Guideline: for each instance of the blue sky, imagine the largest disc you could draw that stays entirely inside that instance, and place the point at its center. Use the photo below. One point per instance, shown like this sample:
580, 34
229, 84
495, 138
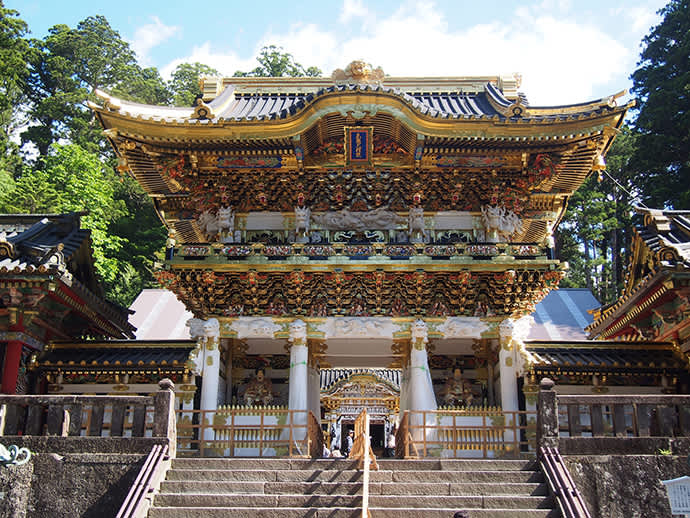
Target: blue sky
566, 51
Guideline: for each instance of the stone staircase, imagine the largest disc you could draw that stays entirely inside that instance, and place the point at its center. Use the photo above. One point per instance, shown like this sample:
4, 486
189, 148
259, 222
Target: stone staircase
300, 488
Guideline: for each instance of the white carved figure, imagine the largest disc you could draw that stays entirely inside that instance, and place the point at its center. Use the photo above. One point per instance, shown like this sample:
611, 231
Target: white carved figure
499, 223
379, 219
463, 327
360, 327
226, 219
208, 223
302, 220
262, 327
212, 328
298, 332
419, 332
196, 327
415, 223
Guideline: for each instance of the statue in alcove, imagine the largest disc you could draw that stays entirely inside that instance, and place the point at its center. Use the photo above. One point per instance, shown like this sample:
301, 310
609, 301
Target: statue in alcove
259, 391
457, 392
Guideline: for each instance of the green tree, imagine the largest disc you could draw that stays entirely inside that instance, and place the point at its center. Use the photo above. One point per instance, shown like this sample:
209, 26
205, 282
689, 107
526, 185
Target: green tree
184, 82
662, 84
14, 52
144, 85
66, 67
595, 234
275, 62
72, 179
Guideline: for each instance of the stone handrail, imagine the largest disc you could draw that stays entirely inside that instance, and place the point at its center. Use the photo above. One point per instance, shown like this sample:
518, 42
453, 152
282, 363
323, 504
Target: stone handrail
63, 415
561, 484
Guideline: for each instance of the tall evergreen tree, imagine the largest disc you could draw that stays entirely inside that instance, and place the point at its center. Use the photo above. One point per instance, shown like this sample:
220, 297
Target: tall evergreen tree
14, 52
662, 84
184, 83
275, 62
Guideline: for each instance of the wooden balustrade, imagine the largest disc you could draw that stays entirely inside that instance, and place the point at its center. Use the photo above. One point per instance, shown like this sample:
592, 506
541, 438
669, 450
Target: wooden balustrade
255, 432
455, 432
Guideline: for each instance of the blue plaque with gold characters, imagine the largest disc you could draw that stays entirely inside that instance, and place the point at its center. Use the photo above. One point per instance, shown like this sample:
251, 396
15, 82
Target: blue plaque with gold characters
358, 145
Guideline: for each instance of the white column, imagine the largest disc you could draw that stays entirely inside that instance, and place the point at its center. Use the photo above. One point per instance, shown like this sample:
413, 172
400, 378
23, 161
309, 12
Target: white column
512, 334
299, 376
298, 384
209, 357
420, 390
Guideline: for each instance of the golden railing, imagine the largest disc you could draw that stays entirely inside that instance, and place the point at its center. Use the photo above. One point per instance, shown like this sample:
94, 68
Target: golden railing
274, 432
455, 432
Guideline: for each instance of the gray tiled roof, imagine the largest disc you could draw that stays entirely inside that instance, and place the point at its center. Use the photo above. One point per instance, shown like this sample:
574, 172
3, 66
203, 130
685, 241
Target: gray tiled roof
34, 236
666, 228
252, 106
117, 354
605, 355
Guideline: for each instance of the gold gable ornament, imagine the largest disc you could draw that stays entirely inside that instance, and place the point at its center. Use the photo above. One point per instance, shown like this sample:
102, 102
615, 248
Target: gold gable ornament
359, 73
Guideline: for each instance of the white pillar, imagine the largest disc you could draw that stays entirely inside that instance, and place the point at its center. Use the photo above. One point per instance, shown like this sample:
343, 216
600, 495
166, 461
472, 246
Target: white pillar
512, 334
298, 384
299, 377
420, 390
209, 358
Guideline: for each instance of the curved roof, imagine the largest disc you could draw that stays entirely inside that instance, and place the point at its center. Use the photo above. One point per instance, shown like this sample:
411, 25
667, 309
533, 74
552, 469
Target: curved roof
234, 106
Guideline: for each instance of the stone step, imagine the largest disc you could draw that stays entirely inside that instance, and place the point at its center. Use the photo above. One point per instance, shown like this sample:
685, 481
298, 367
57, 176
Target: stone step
262, 463
345, 464
354, 488
412, 502
353, 475
339, 512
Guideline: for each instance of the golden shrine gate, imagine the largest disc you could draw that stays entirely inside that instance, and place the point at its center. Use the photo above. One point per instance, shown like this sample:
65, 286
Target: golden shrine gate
360, 221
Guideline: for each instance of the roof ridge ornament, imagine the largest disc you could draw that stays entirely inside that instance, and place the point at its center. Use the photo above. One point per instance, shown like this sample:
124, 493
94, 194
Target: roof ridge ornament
202, 110
358, 72
6, 247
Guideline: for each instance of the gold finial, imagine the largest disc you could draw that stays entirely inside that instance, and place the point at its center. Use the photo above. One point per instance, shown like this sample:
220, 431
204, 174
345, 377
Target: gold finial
358, 72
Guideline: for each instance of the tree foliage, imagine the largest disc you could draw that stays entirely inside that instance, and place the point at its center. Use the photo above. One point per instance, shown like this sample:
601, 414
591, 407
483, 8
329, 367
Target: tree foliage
275, 62
595, 234
662, 84
14, 52
67, 164
184, 83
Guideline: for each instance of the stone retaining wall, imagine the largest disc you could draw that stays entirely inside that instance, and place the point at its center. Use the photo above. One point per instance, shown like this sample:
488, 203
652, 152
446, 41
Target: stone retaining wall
71, 477
626, 486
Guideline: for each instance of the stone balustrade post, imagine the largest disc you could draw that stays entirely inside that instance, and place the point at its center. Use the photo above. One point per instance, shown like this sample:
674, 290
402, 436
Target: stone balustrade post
547, 415
164, 421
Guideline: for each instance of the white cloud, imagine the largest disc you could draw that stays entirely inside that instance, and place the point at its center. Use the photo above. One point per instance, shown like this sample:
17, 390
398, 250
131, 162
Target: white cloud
352, 9
561, 60
151, 35
226, 63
